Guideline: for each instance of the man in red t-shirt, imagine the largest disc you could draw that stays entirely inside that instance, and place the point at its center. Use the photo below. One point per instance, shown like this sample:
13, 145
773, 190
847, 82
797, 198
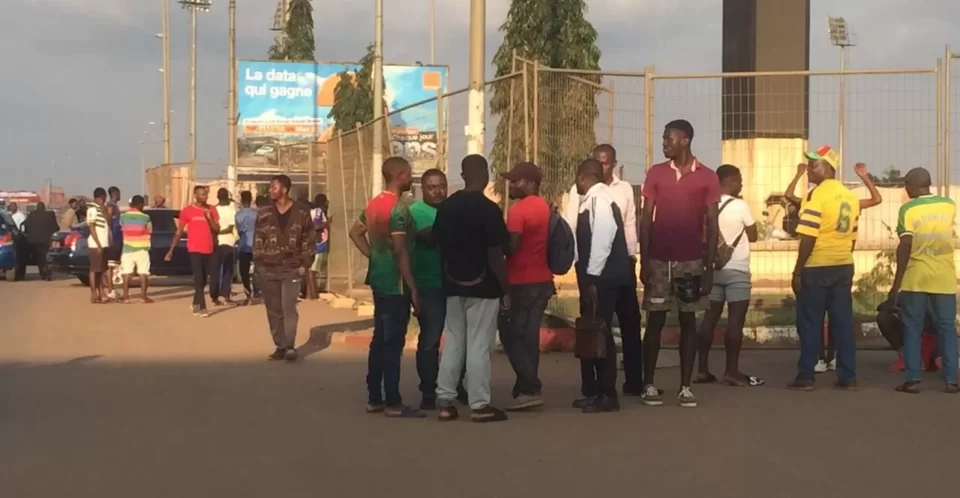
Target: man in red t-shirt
200, 221
531, 282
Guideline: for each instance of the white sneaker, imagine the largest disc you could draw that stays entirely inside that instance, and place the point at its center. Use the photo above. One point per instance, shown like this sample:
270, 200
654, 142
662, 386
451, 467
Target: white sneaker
832, 366
651, 396
686, 398
821, 367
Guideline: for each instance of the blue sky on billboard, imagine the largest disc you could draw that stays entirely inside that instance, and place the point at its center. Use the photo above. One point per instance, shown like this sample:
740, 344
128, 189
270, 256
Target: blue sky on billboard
84, 128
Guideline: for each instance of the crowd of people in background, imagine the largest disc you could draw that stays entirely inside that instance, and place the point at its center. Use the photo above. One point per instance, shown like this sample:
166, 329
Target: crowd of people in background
467, 272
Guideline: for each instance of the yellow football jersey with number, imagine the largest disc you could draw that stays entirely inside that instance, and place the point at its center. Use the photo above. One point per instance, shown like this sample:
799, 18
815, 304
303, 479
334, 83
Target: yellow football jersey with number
830, 215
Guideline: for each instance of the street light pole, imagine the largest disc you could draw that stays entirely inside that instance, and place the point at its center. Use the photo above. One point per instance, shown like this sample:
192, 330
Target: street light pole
194, 6
378, 124
232, 103
165, 35
475, 116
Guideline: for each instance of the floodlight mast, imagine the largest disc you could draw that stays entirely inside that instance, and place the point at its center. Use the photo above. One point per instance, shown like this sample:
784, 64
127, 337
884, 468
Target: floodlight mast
193, 6
840, 36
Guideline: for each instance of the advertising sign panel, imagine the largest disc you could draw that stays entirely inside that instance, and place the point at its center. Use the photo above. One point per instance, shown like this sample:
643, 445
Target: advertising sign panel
289, 102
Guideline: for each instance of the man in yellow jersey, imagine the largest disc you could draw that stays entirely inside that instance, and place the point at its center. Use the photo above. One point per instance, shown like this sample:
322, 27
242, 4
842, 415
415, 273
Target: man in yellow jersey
926, 278
823, 276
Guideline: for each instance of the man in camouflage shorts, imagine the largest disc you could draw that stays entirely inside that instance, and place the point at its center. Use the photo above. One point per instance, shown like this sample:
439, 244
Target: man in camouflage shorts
683, 193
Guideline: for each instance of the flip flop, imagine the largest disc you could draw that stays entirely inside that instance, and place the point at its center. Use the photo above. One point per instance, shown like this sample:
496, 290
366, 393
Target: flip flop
751, 381
405, 412
705, 379
375, 408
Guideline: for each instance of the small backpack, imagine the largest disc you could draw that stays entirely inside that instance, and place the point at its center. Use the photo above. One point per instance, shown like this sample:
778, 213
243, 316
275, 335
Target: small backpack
561, 246
724, 250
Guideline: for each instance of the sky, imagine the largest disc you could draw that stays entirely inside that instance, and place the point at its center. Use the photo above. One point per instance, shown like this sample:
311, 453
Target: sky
83, 83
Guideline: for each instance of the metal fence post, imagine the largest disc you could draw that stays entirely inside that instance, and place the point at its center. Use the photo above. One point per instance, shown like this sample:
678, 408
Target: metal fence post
947, 105
310, 170
648, 114
526, 114
346, 222
536, 112
940, 174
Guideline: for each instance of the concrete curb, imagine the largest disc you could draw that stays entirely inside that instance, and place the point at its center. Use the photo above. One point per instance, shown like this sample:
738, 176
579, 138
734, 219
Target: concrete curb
561, 340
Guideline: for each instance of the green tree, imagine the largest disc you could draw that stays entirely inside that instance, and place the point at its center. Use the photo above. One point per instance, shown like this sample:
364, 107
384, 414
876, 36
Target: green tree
891, 177
296, 43
554, 33
353, 95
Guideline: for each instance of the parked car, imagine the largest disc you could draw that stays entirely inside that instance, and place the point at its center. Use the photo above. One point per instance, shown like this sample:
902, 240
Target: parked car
266, 150
68, 249
8, 252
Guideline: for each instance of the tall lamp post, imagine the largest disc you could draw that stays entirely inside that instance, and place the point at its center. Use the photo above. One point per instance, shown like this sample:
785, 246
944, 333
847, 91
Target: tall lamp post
232, 101
193, 6
840, 37
165, 38
378, 124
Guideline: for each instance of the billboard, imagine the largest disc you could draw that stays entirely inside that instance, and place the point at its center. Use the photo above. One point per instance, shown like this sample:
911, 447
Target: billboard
282, 103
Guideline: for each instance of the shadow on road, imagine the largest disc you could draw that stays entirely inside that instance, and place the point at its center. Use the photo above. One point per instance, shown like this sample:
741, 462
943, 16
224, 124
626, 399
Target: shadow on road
322, 335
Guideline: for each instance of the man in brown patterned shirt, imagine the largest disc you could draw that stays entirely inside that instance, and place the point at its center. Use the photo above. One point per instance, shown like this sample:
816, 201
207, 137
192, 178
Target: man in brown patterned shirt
284, 245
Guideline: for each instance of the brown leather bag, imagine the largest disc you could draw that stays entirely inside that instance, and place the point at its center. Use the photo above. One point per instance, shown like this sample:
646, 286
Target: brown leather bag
591, 336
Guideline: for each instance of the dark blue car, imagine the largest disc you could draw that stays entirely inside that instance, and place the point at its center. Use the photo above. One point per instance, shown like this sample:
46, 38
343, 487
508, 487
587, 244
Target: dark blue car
68, 250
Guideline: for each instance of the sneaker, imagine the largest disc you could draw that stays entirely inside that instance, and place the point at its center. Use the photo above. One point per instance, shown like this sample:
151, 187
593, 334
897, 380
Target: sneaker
428, 404
951, 389
848, 385
195, 310
821, 367
218, 302
801, 385
526, 402
291, 355
651, 396
488, 414
686, 398
277, 355
832, 366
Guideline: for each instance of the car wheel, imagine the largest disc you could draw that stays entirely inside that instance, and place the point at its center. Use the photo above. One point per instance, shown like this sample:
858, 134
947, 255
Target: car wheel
84, 279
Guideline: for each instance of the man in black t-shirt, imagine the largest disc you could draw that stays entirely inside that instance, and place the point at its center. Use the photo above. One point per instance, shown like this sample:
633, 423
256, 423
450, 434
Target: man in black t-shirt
470, 235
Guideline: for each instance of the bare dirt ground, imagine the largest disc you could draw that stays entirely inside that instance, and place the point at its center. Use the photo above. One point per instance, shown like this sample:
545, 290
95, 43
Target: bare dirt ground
148, 401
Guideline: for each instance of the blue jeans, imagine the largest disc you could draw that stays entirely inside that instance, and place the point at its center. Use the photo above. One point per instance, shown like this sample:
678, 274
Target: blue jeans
391, 314
943, 310
433, 313
826, 289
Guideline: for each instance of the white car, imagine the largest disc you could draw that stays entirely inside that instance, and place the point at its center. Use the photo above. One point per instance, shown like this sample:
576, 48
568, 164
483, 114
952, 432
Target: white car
266, 150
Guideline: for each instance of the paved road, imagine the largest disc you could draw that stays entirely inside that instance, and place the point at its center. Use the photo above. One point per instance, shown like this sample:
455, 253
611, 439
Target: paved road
138, 401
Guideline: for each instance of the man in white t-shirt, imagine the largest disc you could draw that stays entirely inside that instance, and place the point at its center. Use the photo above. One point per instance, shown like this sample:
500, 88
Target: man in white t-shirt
731, 282
221, 274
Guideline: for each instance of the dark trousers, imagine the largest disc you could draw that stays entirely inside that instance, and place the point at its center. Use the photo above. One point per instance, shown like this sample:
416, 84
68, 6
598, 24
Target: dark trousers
627, 309
40, 249
943, 311
21, 248
280, 298
200, 265
221, 273
245, 262
391, 314
826, 290
599, 377
433, 314
520, 334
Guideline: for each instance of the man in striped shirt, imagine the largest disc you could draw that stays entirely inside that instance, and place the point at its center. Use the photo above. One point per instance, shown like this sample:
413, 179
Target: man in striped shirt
136, 229
97, 241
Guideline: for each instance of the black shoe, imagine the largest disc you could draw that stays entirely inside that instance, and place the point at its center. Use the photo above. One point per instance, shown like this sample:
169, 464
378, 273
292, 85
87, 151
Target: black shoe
428, 404
603, 404
579, 403
291, 355
277, 355
847, 385
632, 391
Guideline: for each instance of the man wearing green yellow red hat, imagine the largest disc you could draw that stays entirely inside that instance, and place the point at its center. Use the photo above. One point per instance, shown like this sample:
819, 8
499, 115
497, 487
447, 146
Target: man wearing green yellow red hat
823, 276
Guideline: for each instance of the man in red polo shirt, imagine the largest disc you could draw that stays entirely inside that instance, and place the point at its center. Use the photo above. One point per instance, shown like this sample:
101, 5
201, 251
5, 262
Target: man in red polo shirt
531, 283
684, 194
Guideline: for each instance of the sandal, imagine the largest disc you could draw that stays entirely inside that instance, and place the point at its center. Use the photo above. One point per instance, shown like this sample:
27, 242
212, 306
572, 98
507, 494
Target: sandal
488, 414
375, 407
750, 382
147, 300
403, 411
909, 387
707, 378
448, 413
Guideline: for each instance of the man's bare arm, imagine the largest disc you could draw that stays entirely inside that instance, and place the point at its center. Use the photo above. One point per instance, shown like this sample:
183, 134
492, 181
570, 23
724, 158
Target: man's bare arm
513, 243
790, 193
358, 234
398, 241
